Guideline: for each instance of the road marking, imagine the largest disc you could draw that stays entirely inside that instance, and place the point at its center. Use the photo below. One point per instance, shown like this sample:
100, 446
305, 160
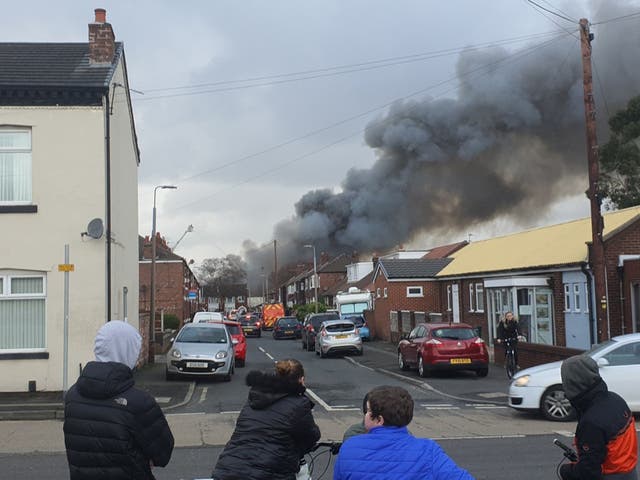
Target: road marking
234, 412
436, 404
203, 395
266, 353
490, 407
349, 359
328, 407
185, 414
187, 397
564, 433
493, 395
163, 399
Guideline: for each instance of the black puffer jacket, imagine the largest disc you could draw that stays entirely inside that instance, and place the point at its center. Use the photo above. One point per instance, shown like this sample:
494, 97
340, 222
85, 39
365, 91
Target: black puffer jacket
111, 429
274, 429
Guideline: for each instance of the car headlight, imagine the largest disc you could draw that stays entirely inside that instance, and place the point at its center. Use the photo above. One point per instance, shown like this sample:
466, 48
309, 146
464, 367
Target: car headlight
220, 355
176, 353
521, 381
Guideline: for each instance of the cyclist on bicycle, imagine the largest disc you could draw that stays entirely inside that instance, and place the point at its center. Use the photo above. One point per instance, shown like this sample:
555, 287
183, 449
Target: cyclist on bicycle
508, 332
274, 430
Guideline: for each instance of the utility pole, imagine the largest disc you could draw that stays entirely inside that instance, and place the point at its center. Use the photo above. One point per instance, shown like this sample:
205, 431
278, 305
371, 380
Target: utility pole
596, 254
276, 285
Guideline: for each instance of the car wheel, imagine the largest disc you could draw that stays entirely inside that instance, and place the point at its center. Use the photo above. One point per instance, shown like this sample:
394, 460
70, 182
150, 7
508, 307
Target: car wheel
555, 406
259, 334
482, 372
322, 354
423, 370
310, 347
169, 376
240, 363
304, 345
360, 352
401, 363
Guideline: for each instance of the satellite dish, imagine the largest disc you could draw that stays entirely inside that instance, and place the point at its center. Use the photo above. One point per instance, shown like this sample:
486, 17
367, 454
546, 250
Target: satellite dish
95, 229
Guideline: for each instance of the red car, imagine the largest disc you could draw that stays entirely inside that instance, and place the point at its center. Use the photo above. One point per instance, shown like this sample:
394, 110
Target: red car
443, 346
239, 342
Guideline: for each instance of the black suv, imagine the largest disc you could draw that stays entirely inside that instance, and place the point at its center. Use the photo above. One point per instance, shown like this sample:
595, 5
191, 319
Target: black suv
311, 326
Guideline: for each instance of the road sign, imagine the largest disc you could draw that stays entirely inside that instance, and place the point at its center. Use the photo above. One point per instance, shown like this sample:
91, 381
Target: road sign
66, 267
193, 294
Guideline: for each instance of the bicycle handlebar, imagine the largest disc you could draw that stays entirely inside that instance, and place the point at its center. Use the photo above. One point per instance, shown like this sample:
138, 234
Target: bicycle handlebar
334, 447
568, 452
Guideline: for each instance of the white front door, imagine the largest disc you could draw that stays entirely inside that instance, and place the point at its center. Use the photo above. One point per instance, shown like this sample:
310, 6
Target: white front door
456, 303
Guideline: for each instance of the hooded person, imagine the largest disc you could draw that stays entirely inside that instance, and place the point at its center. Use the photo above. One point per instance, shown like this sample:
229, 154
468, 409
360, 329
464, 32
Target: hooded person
605, 437
112, 430
274, 430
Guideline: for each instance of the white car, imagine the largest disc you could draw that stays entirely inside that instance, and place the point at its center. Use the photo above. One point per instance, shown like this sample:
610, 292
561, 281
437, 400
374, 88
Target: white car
540, 388
211, 317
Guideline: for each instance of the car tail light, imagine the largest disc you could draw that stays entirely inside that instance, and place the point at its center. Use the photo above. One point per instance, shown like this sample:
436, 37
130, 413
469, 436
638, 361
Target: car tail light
433, 341
257, 324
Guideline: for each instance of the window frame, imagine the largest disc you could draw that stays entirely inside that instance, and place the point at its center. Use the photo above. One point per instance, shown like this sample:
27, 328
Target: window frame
567, 297
415, 295
479, 288
18, 129
6, 295
378, 292
577, 294
449, 298
385, 292
471, 298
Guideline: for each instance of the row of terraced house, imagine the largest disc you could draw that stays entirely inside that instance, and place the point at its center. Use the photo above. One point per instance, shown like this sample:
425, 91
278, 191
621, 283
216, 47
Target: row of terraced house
542, 275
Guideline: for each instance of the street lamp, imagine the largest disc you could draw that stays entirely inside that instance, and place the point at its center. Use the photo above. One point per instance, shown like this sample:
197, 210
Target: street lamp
152, 319
315, 274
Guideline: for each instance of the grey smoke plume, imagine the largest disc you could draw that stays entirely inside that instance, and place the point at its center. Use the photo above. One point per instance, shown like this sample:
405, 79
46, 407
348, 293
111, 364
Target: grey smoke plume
509, 145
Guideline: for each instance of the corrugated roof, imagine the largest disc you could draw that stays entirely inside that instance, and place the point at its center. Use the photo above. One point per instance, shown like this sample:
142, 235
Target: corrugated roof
53, 65
560, 244
412, 267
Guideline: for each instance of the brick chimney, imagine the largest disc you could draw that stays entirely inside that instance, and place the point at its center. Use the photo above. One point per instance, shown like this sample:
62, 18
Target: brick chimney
102, 46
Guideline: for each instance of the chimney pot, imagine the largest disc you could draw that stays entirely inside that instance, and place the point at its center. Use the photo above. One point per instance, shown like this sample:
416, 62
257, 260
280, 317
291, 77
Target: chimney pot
101, 15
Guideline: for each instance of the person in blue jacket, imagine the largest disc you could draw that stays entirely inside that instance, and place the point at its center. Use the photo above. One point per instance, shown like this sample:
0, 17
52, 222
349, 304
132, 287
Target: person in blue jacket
389, 451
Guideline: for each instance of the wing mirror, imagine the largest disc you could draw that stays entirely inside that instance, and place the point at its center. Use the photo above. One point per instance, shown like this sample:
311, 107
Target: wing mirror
602, 362
234, 341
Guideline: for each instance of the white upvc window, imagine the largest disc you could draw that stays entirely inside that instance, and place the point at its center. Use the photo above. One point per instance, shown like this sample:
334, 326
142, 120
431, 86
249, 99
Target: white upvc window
586, 298
385, 292
479, 297
567, 297
15, 166
377, 292
414, 292
449, 301
577, 304
471, 295
22, 312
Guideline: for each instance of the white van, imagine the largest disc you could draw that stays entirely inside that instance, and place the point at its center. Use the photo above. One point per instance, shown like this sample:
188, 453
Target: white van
208, 317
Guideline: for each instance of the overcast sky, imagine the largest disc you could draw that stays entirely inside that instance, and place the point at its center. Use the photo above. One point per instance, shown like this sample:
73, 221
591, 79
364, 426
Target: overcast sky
243, 155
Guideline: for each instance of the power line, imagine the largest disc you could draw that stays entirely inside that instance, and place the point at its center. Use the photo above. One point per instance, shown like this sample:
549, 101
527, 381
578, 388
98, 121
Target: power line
564, 17
328, 71
617, 19
483, 70
531, 4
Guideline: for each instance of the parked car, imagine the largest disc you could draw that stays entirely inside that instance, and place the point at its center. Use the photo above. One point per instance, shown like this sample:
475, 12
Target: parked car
311, 326
251, 325
287, 327
239, 342
208, 317
203, 349
540, 388
338, 336
443, 346
361, 325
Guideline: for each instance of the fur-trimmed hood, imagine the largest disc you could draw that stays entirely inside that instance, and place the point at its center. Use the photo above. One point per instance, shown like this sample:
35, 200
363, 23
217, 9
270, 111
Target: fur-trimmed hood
268, 388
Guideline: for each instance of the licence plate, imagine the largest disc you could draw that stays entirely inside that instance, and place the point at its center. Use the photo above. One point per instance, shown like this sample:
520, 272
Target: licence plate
342, 336
197, 365
288, 332
460, 360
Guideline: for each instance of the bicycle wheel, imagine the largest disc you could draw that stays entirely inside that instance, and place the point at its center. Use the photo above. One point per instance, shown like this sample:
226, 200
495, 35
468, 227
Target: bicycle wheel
510, 364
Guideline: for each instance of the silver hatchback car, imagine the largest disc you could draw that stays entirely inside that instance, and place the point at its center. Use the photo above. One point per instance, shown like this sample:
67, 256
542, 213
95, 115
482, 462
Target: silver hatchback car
202, 349
338, 336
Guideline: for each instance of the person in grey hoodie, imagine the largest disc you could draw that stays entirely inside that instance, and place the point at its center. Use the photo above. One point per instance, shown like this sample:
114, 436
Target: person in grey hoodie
605, 437
112, 430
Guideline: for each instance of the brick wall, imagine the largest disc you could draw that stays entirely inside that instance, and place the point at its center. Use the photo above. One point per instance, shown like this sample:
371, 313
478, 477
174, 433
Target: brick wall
627, 242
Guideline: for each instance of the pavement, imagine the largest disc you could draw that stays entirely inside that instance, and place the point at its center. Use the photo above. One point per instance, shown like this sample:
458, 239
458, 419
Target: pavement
171, 395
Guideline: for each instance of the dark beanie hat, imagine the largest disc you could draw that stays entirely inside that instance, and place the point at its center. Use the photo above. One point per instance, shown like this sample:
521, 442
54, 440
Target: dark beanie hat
579, 374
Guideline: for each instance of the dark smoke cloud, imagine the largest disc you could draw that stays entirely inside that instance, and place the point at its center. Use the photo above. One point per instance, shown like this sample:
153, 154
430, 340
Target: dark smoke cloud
508, 146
